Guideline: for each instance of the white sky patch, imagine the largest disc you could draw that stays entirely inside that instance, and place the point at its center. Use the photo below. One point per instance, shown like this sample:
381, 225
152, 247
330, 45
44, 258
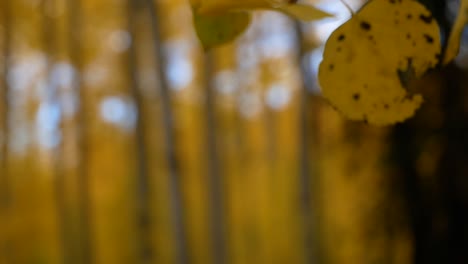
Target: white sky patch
119, 111
276, 39
276, 45
247, 55
179, 68
29, 81
19, 138
62, 75
226, 82
95, 74
179, 72
69, 103
278, 96
250, 104
313, 59
24, 72
48, 118
42, 89
323, 28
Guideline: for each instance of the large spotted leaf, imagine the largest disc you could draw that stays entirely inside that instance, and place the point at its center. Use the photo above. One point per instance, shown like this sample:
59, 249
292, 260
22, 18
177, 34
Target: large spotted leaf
369, 58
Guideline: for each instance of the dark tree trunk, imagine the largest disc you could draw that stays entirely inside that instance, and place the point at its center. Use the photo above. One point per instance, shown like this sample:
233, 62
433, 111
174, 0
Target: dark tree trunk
436, 200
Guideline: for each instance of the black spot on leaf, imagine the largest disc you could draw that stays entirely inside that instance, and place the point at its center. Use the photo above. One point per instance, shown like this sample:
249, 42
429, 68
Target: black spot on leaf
426, 19
356, 96
365, 26
331, 67
386, 106
429, 39
365, 119
341, 37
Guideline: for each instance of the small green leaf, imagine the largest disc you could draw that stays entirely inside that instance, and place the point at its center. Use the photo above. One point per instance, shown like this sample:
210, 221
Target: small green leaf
220, 29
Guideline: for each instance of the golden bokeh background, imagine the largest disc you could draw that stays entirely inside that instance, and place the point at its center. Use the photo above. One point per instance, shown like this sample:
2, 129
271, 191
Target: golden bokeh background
123, 142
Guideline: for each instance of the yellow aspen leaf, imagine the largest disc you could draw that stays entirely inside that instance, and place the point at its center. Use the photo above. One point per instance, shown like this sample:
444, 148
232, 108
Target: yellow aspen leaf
365, 58
221, 21
303, 12
210, 7
453, 45
220, 29
298, 11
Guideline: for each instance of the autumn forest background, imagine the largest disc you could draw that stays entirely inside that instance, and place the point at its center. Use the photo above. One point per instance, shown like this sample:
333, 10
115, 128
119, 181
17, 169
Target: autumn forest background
122, 141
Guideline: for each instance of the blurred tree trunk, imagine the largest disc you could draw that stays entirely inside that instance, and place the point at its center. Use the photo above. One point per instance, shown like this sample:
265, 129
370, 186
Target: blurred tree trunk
168, 123
51, 49
143, 191
431, 154
305, 196
215, 181
85, 246
5, 203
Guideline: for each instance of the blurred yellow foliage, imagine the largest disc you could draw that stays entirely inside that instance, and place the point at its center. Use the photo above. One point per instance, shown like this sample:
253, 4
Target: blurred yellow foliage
87, 150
